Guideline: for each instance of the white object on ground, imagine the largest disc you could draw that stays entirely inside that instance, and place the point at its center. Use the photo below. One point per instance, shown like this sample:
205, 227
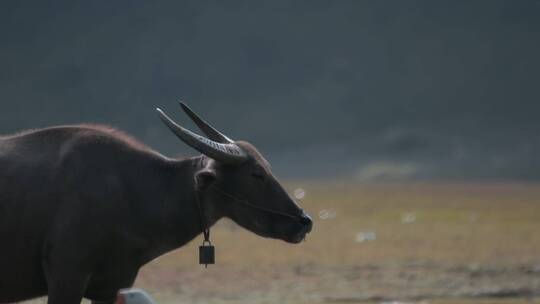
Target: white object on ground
408, 217
363, 236
134, 296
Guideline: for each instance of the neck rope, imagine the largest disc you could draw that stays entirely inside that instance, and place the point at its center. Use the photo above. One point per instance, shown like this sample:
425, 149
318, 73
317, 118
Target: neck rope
206, 229
254, 206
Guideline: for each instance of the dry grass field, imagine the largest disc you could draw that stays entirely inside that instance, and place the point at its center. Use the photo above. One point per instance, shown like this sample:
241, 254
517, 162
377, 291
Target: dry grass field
374, 243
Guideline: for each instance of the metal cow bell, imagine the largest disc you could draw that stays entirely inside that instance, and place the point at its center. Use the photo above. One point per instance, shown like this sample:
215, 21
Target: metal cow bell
206, 254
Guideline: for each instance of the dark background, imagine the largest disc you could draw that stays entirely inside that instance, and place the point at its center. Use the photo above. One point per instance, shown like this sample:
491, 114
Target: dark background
370, 90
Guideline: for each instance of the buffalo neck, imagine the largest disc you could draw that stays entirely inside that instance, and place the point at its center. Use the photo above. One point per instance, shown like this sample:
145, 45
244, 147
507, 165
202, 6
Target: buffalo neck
173, 218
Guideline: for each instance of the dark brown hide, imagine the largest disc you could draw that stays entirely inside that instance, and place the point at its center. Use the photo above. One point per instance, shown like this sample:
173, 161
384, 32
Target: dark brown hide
82, 208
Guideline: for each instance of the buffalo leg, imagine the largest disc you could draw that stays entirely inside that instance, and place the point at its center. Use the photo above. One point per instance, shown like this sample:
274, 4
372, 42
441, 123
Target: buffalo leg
70, 252
103, 286
66, 273
67, 289
66, 280
67, 266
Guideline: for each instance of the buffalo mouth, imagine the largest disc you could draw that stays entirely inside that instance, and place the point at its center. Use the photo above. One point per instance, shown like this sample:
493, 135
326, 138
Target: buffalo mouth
296, 239
300, 236
292, 232
306, 225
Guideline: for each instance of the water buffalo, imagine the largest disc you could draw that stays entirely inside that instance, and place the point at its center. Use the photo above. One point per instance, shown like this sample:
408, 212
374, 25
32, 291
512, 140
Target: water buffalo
83, 207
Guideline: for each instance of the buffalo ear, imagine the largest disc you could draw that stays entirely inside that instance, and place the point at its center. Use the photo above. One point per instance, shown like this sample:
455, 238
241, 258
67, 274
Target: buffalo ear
204, 178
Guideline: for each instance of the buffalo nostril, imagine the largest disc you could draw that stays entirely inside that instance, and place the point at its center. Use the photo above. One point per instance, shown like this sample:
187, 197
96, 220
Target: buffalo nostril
307, 222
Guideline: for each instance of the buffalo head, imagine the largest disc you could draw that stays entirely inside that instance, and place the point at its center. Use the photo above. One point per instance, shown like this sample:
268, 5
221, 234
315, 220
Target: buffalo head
236, 179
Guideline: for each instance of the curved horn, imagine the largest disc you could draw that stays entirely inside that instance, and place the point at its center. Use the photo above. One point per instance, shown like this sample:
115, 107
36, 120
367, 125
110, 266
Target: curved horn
207, 129
228, 153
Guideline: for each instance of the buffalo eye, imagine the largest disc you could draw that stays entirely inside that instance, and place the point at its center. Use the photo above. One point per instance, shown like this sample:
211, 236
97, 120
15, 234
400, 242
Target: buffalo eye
258, 175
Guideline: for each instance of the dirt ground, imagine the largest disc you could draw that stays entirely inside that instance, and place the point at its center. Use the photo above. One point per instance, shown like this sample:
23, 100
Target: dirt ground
388, 243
